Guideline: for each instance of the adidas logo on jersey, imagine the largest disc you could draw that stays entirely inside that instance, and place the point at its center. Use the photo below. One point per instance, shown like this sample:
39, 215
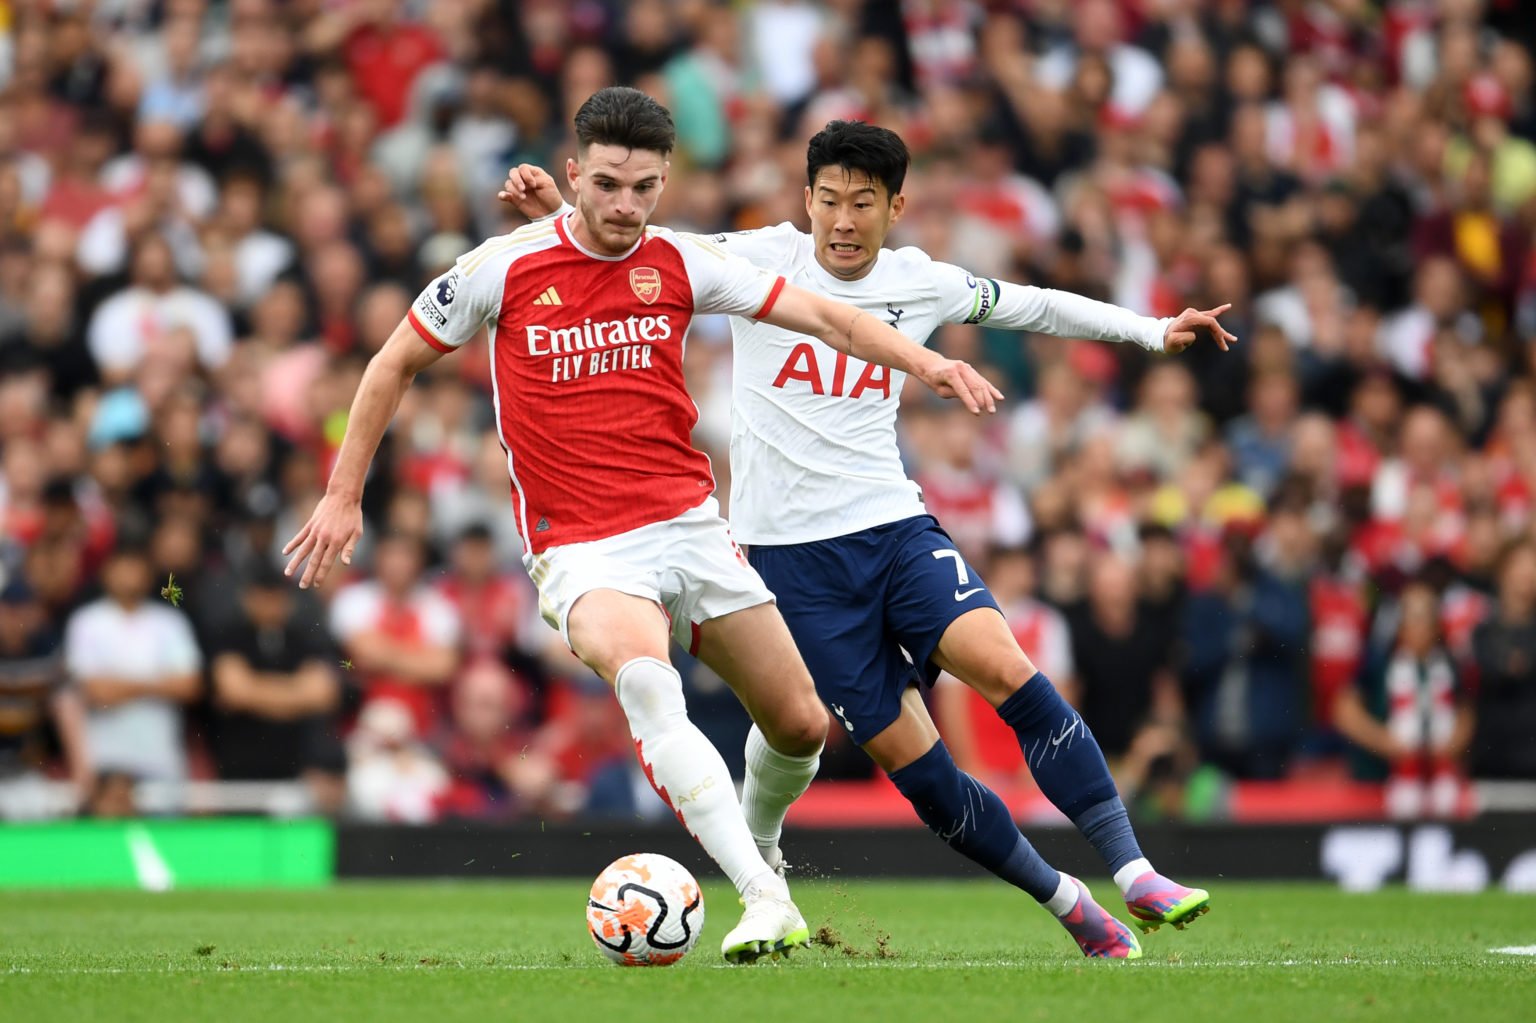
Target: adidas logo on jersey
542, 527
550, 297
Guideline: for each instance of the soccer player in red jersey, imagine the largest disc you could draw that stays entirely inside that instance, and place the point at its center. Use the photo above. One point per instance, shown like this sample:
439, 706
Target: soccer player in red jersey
588, 315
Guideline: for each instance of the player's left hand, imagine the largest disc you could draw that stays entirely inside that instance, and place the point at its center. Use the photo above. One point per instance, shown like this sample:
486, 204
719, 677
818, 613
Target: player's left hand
531, 190
331, 532
1187, 326
951, 378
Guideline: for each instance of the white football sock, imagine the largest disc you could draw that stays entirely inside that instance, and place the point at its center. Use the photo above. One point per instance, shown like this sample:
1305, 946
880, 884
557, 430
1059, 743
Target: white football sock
774, 781
1065, 898
1127, 875
685, 767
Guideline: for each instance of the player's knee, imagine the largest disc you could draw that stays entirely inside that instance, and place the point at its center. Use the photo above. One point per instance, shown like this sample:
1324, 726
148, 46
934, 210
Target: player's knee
800, 732
1002, 678
651, 693
808, 736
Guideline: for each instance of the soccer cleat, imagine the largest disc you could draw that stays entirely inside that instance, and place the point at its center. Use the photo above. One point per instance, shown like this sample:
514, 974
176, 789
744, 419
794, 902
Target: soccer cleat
1154, 900
1096, 932
771, 925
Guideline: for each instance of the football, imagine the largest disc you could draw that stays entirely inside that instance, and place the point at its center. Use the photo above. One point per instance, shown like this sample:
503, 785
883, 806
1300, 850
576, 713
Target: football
645, 910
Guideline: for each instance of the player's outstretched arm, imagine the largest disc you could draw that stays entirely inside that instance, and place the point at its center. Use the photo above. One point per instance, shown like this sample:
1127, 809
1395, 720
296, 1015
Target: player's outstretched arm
337, 522
971, 299
864, 337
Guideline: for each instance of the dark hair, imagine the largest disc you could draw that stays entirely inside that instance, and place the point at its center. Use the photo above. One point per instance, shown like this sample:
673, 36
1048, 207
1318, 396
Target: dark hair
856, 146
132, 545
261, 574
478, 532
621, 116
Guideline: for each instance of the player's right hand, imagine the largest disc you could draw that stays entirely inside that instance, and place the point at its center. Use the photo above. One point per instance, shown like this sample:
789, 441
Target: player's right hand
531, 191
334, 528
951, 378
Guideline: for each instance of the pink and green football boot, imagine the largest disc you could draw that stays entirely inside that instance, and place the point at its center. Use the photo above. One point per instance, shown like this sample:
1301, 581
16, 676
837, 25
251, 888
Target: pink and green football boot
1154, 900
1098, 934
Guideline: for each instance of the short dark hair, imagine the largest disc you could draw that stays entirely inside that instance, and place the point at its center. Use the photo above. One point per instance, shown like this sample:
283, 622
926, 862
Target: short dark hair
621, 116
869, 149
261, 574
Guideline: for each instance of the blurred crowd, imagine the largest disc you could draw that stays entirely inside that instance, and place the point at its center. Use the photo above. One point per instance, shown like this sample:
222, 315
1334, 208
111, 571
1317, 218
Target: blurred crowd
1313, 557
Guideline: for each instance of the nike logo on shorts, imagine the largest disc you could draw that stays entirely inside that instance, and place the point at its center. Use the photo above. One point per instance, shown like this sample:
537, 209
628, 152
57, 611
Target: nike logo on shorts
961, 595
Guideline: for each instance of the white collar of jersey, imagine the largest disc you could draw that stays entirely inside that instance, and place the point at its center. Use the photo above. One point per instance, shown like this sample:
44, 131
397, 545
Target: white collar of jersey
826, 279
564, 224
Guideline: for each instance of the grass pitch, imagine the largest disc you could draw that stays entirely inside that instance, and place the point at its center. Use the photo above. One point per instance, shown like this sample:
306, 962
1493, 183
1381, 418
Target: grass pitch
968, 951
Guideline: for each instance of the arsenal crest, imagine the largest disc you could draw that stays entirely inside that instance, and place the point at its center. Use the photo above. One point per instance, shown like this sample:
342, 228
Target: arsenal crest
645, 281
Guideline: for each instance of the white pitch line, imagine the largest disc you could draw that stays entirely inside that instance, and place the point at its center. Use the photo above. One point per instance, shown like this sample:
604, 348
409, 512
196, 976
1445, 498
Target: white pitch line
1515, 950
902, 964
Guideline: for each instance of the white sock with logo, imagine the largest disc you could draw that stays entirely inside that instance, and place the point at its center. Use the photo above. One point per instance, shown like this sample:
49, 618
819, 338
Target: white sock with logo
774, 781
686, 769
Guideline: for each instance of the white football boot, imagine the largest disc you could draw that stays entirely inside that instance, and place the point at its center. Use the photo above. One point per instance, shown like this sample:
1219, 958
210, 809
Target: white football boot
771, 925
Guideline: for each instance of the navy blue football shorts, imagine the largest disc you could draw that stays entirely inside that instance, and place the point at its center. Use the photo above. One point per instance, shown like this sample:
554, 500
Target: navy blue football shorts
867, 611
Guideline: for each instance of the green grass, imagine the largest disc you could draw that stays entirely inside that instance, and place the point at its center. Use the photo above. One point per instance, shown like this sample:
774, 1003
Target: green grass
971, 951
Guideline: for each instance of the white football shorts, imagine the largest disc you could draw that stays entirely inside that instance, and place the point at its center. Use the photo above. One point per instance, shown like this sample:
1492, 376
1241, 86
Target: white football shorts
689, 565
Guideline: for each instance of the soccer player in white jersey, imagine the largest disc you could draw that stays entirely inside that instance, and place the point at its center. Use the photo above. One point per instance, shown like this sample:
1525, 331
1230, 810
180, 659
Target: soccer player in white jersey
588, 316
863, 576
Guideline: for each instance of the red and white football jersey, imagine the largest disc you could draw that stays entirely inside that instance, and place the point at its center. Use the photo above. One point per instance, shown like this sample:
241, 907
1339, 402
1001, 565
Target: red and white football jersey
587, 368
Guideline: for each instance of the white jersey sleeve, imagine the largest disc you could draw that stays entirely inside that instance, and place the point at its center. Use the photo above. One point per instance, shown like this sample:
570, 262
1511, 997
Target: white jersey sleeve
765, 247
970, 299
451, 309
724, 283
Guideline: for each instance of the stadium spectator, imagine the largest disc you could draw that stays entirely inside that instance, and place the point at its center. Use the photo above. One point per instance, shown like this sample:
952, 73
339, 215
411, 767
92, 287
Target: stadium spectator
493, 605
401, 637
135, 663
1411, 710
1167, 427
488, 748
1099, 34
962, 489
35, 696
1048, 429
1504, 745
1261, 439
1340, 617
392, 775
276, 694
1245, 643
1126, 667
593, 755
143, 318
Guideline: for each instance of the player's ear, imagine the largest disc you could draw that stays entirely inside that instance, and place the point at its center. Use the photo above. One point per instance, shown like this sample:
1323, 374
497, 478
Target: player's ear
807, 200
898, 206
572, 173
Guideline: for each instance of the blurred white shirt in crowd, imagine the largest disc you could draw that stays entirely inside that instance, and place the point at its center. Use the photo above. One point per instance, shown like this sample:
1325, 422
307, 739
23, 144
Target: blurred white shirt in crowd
128, 323
1137, 75
783, 37
147, 645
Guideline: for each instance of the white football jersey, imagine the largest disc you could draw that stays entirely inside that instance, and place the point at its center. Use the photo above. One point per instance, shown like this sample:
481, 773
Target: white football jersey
813, 432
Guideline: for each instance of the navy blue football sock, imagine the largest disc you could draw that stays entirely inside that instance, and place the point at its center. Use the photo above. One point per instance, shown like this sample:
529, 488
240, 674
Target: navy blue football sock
974, 821
1069, 767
